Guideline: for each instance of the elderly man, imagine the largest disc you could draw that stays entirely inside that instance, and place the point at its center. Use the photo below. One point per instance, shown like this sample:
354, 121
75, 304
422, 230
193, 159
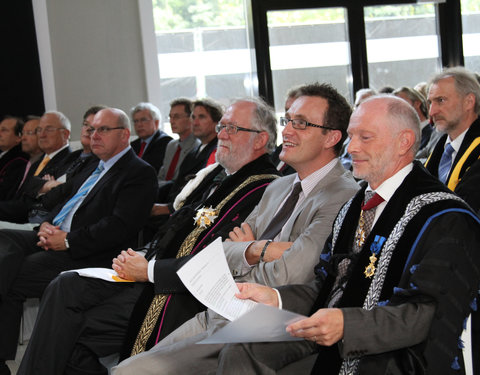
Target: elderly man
12, 159
454, 97
281, 235
53, 132
96, 326
99, 214
152, 140
398, 275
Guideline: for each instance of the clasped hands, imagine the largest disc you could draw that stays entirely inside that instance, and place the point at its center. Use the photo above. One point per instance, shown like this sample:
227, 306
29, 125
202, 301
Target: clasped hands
131, 265
51, 237
244, 233
325, 327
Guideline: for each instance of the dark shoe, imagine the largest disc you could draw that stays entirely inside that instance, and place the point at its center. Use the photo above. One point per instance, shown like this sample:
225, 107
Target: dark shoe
4, 370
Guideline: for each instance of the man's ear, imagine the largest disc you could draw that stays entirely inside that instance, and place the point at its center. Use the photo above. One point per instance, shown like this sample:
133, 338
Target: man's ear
333, 137
261, 140
406, 139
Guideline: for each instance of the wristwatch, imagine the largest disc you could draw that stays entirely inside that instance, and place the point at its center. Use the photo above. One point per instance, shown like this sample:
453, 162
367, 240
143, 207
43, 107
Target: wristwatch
66, 243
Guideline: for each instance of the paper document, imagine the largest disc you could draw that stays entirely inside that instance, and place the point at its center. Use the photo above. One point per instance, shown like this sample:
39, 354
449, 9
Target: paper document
261, 324
106, 274
209, 279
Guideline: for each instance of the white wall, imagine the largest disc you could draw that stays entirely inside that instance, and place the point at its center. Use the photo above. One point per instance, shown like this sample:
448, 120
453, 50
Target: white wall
91, 52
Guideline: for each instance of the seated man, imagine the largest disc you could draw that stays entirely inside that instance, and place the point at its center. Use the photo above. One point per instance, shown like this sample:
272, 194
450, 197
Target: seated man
96, 326
152, 141
53, 133
99, 214
12, 159
315, 127
382, 301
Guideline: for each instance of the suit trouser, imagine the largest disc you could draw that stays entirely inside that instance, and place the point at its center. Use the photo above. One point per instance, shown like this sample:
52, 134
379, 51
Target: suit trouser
80, 319
25, 272
179, 353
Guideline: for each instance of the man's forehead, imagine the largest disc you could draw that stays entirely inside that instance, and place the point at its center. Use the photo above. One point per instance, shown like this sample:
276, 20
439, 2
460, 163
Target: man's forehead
239, 112
143, 113
49, 119
8, 123
308, 106
31, 124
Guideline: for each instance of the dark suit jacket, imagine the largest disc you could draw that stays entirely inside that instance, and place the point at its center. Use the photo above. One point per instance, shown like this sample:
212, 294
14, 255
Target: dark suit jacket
113, 212
12, 169
464, 183
16, 210
155, 151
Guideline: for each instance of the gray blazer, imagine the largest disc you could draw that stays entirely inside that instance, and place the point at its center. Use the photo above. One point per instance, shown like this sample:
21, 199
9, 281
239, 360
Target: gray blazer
309, 230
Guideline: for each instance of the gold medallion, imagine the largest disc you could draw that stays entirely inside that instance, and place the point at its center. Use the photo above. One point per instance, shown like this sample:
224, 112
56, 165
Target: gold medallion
370, 269
205, 217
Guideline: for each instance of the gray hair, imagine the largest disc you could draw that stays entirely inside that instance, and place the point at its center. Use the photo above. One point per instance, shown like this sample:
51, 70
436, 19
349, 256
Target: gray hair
64, 121
414, 96
402, 115
465, 83
154, 112
264, 119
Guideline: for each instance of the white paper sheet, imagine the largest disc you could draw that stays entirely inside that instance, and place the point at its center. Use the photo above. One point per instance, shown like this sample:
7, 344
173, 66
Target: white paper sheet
261, 324
209, 279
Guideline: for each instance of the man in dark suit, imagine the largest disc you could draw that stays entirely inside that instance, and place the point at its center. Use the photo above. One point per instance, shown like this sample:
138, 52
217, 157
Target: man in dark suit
152, 140
12, 159
100, 214
397, 277
454, 98
53, 132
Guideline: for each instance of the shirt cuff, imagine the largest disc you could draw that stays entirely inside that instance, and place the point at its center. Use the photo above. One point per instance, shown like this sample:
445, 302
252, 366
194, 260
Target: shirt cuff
150, 271
280, 304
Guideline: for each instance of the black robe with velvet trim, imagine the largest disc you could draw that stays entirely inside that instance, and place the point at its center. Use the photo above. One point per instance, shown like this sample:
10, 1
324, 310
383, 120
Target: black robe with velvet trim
181, 305
436, 276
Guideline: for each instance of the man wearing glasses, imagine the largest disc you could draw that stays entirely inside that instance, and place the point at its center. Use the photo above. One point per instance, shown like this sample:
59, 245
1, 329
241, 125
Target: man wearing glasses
152, 140
100, 213
284, 233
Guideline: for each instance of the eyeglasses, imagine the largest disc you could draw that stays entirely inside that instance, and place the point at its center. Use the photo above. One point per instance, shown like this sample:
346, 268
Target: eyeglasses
142, 120
302, 124
29, 132
101, 130
48, 129
233, 129
177, 117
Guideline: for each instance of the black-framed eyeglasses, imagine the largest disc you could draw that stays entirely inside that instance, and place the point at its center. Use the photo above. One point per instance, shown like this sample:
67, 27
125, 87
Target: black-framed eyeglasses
101, 130
233, 129
302, 124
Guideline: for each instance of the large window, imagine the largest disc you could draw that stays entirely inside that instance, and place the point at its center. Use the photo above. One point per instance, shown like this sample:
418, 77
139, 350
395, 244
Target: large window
203, 50
307, 46
402, 44
471, 33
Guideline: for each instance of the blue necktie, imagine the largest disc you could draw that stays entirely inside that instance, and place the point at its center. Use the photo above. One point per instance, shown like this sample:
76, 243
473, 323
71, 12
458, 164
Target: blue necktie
82, 192
445, 163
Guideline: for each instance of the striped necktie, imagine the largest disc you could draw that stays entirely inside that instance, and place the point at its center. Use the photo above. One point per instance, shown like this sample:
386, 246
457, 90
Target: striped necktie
81, 193
445, 163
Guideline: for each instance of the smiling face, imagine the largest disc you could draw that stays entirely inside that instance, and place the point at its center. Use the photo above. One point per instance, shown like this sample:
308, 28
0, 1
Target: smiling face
310, 149
107, 145
378, 147
144, 124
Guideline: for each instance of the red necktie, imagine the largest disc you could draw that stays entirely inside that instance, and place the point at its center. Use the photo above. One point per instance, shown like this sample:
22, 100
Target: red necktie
142, 148
211, 158
173, 164
372, 202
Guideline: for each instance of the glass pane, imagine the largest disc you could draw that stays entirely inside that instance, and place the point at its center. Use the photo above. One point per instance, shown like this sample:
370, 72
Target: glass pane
471, 33
203, 50
402, 44
308, 46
